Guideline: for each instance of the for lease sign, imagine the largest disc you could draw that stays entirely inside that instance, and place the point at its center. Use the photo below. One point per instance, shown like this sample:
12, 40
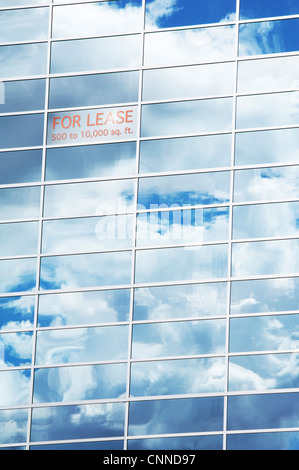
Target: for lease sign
92, 125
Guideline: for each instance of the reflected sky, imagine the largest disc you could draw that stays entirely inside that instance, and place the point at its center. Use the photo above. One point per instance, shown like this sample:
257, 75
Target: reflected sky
13, 426
30, 24
19, 239
23, 60
177, 443
24, 95
30, 130
20, 167
84, 308
18, 275
95, 445
19, 203
16, 312
180, 301
16, 349
15, 390
264, 441
267, 8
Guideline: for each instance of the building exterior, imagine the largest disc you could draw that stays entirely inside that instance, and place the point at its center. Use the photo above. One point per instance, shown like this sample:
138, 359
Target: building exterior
149, 207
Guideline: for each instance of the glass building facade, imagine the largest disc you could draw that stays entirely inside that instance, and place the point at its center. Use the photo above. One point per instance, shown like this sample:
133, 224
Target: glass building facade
149, 224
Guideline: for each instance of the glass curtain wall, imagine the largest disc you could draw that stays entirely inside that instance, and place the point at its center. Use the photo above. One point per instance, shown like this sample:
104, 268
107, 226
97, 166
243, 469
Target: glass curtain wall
149, 207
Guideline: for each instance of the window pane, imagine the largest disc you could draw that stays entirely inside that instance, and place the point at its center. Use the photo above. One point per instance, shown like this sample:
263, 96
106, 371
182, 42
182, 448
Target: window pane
91, 90
20, 167
178, 338
267, 147
19, 239
266, 372
95, 19
188, 82
65, 384
267, 184
82, 345
89, 198
16, 3
91, 161
28, 24
94, 445
87, 234
23, 60
187, 153
21, 131
91, 270
17, 275
269, 37
77, 422
177, 377
265, 295
264, 441
15, 349
96, 53
84, 308
16, 312
177, 443
15, 390
263, 411
181, 264
190, 13
264, 333
189, 46
17, 203
186, 117
195, 300
23, 95
262, 258
267, 8
13, 426
266, 220
268, 74
176, 416
183, 190
182, 227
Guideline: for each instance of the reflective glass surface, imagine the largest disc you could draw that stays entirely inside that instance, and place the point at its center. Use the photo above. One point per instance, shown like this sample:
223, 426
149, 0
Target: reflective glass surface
264, 333
17, 275
186, 117
14, 426
94, 445
266, 220
84, 308
183, 190
19, 203
21, 131
189, 46
264, 441
87, 234
179, 264
276, 183
269, 37
23, 60
19, 239
177, 443
95, 198
266, 372
268, 74
90, 90
263, 411
176, 416
15, 390
82, 345
16, 3
16, 349
177, 377
28, 24
267, 147
95, 19
24, 95
16, 312
269, 257
65, 384
91, 161
20, 167
78, 422
188, 82
187, 153
177, 227
91, 270
178, 338
96, 53
194, 300
254, 9
265, 295
277, 109
193, 12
